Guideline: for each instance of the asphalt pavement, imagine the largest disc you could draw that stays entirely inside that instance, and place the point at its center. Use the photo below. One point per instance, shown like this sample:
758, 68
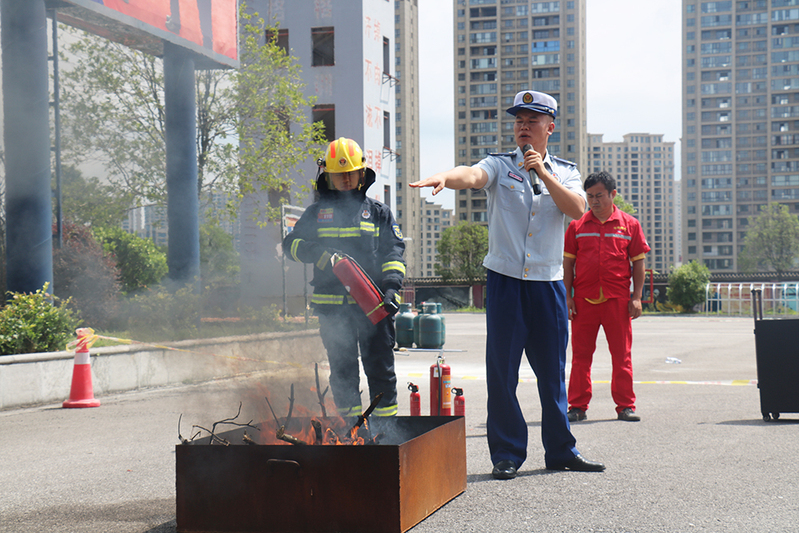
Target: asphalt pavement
701, 459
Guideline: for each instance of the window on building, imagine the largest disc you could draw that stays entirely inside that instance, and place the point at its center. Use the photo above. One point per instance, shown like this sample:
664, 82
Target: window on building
326, 114
386, 56
280, 37
322, 40
386, 129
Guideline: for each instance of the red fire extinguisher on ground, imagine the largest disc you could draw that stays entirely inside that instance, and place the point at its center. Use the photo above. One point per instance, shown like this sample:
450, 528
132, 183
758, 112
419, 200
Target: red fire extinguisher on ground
459, 401
440, 394
416, 400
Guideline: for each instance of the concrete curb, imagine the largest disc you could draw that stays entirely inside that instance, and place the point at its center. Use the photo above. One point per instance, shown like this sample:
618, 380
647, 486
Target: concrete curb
31, 379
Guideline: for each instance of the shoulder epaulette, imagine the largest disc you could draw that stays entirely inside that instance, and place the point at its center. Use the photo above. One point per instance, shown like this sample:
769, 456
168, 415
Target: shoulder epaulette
506, 154
572, 163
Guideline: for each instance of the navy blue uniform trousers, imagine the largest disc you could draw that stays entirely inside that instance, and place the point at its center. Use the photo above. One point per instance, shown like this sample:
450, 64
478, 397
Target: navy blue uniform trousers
343, 331
529, 316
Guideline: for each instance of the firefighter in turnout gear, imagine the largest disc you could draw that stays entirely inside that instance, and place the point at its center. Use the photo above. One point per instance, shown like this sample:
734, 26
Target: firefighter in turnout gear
345, 220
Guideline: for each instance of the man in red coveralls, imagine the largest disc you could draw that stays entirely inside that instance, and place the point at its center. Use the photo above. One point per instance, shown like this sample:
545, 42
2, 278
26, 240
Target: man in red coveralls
597, 253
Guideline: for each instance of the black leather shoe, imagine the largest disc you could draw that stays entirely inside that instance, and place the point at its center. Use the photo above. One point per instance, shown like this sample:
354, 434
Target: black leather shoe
576, 415
579, 464
628, 414
504, 470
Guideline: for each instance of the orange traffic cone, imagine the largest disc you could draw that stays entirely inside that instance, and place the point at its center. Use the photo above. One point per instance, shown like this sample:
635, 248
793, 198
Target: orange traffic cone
81, 394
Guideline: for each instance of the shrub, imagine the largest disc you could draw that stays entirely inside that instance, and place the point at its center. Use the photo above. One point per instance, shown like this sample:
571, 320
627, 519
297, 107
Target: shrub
158, 314
687, 285
87, 277
141, 264
30, 323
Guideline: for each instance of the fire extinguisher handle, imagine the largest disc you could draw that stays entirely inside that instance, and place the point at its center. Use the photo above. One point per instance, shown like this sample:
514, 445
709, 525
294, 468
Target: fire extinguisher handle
392, 307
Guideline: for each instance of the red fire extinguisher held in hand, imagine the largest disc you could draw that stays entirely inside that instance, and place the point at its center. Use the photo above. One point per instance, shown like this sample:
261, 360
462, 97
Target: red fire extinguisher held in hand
459, 401
416, 400
361, 287
440, 394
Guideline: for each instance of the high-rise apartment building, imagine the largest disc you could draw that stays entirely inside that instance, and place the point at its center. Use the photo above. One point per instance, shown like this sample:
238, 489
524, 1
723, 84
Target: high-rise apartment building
643, 167
740, 146
506, 46
435, 219
408, 215
148, 222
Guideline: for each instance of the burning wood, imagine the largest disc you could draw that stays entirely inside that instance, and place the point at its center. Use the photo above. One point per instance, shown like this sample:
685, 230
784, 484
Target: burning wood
372, 406
320, 395
317, 433
304, 431
212, 432
281, 434
291, 405
317, 427
332, 436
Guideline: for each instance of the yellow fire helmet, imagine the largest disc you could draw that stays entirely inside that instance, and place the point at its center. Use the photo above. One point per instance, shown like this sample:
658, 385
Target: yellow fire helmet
344, 155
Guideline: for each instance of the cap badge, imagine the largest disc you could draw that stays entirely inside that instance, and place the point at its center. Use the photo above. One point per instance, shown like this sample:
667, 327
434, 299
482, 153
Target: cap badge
527, 98
342, 162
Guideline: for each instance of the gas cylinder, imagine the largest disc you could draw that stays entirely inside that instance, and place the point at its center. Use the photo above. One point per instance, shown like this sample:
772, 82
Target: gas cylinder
404, 326
459, 401
430, 328
440, 393
416, 400
416, 329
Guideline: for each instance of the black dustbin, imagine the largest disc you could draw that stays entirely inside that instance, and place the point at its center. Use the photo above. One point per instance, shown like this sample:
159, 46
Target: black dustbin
777, 353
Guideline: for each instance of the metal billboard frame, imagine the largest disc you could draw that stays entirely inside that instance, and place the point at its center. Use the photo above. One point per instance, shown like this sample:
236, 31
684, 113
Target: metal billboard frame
97, 18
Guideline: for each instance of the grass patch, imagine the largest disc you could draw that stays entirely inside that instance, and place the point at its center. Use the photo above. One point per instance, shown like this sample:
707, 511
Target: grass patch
471, 309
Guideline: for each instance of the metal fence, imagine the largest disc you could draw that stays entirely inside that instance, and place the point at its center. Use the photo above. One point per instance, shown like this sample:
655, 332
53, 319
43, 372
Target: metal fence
736, 298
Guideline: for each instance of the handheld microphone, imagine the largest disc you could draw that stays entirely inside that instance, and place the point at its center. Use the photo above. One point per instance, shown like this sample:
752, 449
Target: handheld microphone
533, 174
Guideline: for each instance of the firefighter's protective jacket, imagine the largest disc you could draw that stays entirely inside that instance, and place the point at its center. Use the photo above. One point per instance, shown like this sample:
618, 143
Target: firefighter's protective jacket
352, 223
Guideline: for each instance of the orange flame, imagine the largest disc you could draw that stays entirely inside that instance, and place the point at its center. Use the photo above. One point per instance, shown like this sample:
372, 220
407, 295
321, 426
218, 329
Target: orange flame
334, 430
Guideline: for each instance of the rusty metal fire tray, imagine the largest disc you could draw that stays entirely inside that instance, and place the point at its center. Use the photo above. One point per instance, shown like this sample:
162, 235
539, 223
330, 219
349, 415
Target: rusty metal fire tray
418, 466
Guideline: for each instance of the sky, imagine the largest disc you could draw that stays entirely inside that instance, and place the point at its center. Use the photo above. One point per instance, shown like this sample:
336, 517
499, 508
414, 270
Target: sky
633, 76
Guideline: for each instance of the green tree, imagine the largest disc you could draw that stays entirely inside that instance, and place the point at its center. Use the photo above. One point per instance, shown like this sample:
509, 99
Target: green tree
274, 135
219, 270
687, 285
252, 129
461, 251
771, 241
624, 205
141, 264
219, 260
88, 202
87, 277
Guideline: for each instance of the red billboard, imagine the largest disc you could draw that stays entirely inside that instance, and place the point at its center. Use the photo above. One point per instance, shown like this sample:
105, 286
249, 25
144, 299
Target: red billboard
206, 27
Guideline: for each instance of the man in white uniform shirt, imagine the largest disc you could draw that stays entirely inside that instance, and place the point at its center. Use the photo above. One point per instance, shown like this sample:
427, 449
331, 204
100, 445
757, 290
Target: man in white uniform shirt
530, 194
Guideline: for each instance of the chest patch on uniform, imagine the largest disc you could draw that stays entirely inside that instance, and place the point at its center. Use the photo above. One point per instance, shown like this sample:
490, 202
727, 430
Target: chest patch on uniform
397, 232
365, 213
515, 177
325, 215
620, 228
